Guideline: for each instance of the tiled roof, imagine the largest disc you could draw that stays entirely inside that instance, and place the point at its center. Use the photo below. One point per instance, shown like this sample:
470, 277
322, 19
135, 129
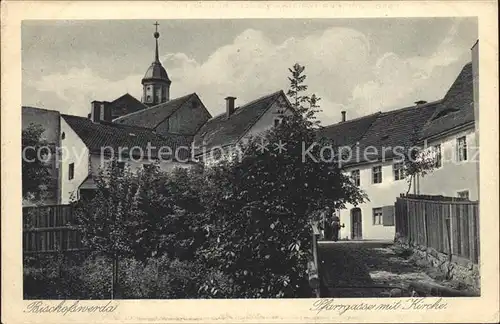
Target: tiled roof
99, 135
389, 130
349, 132
125, 104
152, 117
457, 108
395, 129
221, 130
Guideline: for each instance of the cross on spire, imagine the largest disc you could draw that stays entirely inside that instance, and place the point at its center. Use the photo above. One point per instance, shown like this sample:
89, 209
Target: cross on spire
156, 35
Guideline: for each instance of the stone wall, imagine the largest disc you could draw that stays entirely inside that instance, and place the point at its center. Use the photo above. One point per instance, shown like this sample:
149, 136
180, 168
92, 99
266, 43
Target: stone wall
458, 268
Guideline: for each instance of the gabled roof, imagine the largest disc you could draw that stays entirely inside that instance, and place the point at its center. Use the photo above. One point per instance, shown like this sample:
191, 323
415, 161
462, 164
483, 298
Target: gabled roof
382, 130
125, 104
222, 130
349, 132
457, 108
152, 117
395, 130
115, 136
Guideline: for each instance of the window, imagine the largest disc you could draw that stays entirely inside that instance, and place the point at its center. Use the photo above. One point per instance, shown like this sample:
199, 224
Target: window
463, 194
63, 135
277, 122
355, 177
377, 174
462, 149
437, 156
158, 94
377, 216
71, 171
398, 170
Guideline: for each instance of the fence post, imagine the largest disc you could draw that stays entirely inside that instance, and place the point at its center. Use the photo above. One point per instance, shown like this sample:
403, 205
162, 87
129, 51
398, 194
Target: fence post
314, 266
426, 232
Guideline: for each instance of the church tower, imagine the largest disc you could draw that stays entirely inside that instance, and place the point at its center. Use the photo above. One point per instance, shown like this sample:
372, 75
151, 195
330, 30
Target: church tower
155, 84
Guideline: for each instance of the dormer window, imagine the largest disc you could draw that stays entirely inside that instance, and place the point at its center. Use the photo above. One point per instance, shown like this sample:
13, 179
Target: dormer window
444, 112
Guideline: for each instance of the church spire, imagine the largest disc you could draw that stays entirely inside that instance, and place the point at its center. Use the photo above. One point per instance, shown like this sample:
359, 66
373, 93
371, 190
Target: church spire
155, 84
156, 35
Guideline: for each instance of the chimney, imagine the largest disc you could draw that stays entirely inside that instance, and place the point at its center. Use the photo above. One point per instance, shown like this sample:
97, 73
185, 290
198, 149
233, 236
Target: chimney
420, 102
95, 111
106, 111
230, 105
343, 115
100, 111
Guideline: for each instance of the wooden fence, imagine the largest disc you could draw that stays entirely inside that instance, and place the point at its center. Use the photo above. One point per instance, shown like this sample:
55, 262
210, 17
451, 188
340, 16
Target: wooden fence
448, 225
50, 229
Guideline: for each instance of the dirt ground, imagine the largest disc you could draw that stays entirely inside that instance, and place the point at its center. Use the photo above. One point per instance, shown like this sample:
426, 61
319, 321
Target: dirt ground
368, 270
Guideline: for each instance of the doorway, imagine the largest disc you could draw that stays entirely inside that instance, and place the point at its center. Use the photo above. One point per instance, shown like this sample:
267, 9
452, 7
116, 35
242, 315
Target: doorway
356, 224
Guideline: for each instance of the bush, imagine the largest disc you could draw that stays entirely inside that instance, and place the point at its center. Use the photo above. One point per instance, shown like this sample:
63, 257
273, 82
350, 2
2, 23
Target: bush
51, 277
160, 278
96, 277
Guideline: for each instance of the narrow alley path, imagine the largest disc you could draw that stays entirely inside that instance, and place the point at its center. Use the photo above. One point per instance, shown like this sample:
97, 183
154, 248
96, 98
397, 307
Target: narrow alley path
369, 269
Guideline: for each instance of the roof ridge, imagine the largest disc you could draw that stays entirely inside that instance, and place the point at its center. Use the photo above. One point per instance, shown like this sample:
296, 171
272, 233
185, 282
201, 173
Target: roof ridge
249, 103
112, 124
467, 65
351, 120
128, 94
153, 107
32, 107
412, 107
185, 99
363, 134
416, 108
249, 126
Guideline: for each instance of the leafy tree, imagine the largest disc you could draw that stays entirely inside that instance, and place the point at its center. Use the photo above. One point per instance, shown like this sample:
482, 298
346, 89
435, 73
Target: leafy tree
306, 106
297, 86
107, 220
137, 215
35, 171
259, 208
417, 161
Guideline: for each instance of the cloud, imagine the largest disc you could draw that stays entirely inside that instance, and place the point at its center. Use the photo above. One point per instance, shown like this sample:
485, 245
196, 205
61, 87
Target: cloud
340, 66
397, 82
253, 66
79, 86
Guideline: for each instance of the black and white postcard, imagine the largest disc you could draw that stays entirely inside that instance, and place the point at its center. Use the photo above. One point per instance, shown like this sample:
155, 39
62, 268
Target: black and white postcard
249, 162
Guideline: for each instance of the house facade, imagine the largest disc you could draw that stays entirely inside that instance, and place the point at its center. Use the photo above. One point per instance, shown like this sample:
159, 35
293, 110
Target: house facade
220, 136
446, 128
376, 145
451, 134
90, 145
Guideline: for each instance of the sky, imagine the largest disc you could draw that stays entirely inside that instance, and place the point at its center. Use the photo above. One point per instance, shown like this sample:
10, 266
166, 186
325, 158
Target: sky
357, 65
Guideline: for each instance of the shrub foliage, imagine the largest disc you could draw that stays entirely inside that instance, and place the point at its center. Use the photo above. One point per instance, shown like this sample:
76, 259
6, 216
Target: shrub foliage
237, 229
